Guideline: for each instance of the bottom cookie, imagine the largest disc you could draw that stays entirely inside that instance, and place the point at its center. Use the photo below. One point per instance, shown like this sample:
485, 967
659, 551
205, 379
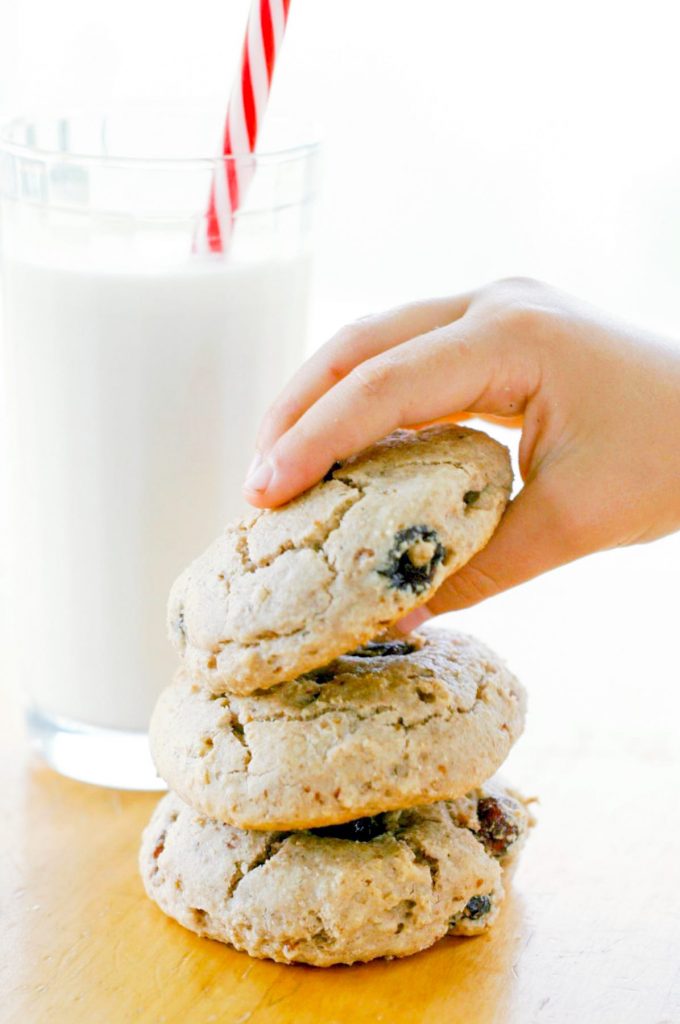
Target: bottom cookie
385, 886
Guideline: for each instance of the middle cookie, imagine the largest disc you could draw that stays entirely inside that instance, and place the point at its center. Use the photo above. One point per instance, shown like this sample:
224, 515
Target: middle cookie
395, 724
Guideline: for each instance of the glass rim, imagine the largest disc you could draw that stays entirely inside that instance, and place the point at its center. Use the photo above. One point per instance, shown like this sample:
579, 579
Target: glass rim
25, 151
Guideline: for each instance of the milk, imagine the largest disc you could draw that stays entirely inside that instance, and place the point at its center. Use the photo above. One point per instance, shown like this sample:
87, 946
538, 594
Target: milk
136, 395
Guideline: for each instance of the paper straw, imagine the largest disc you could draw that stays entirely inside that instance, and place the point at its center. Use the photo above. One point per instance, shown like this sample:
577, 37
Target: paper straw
247, 104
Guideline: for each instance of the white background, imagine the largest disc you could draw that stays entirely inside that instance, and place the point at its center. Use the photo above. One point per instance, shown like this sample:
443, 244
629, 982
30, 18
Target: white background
464, 141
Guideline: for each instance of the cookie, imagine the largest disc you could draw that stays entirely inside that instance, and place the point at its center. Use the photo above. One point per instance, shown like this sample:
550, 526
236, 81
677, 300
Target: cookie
395, 724
385, 886
286, 590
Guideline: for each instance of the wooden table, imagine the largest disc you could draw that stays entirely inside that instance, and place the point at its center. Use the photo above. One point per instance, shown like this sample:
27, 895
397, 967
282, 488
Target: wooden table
590, 933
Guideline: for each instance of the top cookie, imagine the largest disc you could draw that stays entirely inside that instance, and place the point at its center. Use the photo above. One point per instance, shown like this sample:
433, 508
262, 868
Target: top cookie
286, 590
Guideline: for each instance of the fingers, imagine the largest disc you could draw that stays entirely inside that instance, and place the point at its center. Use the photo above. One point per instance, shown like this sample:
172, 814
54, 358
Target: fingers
423, 379
539, 531
348, 348
414, 619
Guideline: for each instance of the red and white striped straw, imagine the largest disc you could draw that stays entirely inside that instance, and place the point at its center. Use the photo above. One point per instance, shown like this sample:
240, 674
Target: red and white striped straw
247, 103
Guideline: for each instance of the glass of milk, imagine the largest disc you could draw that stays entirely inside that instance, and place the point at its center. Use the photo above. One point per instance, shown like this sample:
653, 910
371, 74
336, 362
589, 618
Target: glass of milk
136, 371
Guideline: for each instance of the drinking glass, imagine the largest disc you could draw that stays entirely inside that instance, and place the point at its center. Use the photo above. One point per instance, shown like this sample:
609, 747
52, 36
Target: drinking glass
136, 370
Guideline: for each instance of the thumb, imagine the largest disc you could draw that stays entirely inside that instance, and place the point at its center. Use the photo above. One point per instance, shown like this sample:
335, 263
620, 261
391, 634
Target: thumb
537, 533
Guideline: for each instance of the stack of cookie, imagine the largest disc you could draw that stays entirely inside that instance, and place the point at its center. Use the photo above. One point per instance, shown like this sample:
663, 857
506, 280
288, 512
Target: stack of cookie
332, 807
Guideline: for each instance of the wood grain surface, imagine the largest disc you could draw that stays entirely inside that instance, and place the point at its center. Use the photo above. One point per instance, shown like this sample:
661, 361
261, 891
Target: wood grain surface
81, 943
590, 933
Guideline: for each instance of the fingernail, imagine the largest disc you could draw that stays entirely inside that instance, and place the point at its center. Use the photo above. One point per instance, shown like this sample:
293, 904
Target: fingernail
257, 460
259, 474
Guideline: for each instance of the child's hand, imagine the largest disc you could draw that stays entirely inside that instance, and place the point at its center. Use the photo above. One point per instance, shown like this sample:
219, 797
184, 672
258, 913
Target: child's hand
600, 447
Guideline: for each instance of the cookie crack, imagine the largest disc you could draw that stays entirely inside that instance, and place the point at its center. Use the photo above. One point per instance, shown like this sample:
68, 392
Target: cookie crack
271, 635
314, 543
237, 726
447, 713
421, 856
400, 725
351, 482
424, 463
242, 548
364, 716
273, 844
239, 732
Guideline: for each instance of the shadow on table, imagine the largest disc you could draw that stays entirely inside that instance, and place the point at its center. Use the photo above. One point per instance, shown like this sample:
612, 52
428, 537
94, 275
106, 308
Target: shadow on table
457, 981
